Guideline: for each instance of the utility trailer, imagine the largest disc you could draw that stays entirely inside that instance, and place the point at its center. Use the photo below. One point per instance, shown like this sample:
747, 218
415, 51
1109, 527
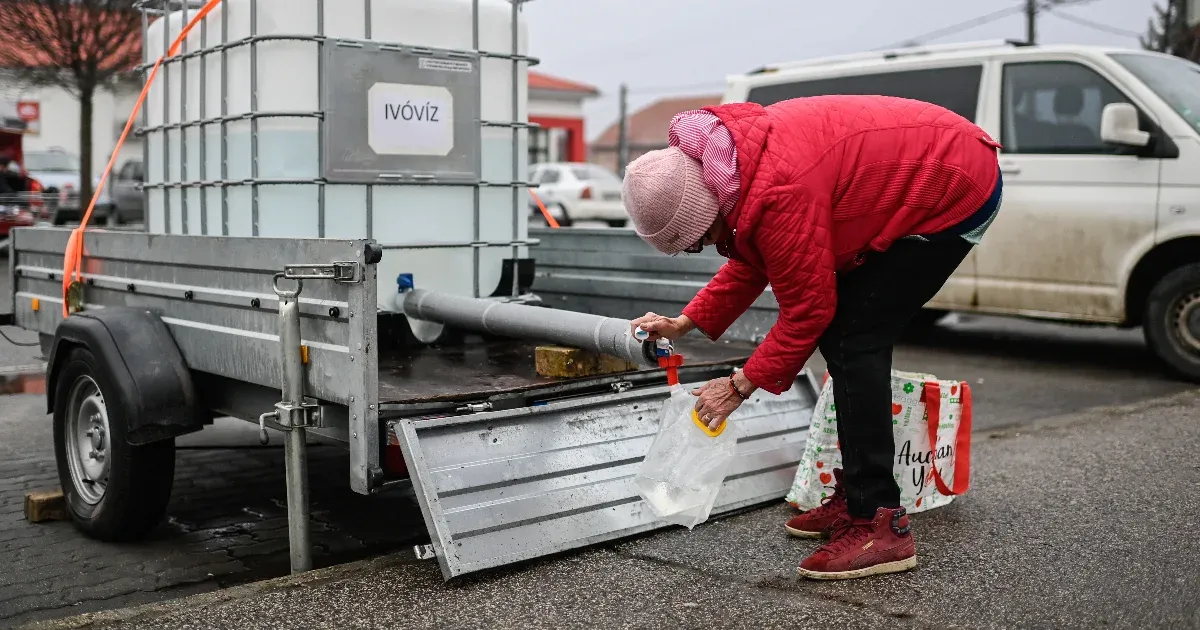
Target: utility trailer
169, 331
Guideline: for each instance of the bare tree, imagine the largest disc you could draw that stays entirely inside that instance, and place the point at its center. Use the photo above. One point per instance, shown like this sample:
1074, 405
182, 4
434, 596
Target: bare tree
1167, 32
82, 46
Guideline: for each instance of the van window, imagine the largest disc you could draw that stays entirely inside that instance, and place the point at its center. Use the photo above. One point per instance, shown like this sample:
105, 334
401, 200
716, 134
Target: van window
1176, 80
1054, 107
956, 89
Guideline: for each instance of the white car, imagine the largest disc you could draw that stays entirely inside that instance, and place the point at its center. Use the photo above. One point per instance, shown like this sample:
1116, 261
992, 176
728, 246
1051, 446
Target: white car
576, 191
1100, 221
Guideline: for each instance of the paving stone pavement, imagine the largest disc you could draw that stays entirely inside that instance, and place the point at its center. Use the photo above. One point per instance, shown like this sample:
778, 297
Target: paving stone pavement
227, 520
226, 524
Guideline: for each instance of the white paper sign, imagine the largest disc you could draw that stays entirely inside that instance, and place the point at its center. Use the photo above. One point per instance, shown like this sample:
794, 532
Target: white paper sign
405, 119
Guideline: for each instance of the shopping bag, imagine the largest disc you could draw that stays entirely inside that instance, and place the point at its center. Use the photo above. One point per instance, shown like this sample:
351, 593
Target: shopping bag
925, 411
687, 463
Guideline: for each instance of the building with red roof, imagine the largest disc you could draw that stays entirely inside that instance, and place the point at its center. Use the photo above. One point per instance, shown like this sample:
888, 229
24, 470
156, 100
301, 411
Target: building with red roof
646, 128
556, 104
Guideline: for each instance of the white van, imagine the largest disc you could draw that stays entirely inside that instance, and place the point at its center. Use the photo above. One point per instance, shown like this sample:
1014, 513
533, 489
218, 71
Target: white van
1100, 221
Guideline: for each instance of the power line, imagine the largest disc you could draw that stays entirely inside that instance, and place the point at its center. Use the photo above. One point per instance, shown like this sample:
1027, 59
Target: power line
1093, 25
959, 27
667, 89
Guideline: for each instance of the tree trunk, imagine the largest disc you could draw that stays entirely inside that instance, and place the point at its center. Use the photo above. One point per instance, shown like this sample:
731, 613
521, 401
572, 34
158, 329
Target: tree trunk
86, 105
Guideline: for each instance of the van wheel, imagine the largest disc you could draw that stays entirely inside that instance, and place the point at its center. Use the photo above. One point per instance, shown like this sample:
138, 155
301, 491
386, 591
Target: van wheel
1172, 321
114, 491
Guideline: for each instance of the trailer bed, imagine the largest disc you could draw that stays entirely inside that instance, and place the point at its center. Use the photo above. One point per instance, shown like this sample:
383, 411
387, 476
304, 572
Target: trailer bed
479, 368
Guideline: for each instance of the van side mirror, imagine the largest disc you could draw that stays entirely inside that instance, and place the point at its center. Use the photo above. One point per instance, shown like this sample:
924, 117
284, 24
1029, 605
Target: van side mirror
1119, 125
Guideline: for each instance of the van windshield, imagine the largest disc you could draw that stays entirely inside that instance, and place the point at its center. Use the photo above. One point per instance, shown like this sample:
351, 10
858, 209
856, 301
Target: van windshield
1176, 80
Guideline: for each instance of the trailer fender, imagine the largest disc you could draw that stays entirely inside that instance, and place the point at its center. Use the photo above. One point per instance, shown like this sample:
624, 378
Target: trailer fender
145, 367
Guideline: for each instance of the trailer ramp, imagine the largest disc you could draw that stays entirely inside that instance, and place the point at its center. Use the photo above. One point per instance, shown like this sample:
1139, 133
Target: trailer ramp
506, 486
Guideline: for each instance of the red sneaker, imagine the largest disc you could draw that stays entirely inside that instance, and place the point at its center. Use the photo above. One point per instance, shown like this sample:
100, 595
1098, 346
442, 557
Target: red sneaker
819, 521
861, 547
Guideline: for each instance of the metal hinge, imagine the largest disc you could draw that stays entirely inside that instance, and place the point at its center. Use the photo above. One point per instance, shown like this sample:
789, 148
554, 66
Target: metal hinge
621, 387
425, 552
475, 407
346, 272
306, 415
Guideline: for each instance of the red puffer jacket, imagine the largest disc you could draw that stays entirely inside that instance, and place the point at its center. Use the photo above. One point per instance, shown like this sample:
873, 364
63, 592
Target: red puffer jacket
824, 180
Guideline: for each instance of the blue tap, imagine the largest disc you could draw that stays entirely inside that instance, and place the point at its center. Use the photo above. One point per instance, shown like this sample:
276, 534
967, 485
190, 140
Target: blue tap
404, 283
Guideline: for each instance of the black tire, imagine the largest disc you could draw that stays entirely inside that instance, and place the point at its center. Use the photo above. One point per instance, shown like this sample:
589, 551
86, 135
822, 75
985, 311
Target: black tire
618, 224
1171, 322
59, 220
565, 220
113, 218
924, 322
139, 478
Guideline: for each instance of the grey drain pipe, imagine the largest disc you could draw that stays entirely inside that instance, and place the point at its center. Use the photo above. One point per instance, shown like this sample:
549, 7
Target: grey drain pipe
605, 335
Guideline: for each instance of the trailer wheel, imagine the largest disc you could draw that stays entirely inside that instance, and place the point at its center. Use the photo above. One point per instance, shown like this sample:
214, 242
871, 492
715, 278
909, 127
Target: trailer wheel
113, 490
1172, 321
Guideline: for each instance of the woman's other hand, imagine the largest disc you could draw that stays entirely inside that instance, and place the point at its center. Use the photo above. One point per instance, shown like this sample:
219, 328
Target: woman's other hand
662, 326
715, 401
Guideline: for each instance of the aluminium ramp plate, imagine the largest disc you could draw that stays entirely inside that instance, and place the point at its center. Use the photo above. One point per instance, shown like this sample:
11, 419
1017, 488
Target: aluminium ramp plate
506, 486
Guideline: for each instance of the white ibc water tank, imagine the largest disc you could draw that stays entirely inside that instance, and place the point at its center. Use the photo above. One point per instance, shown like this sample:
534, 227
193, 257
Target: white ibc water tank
202, 179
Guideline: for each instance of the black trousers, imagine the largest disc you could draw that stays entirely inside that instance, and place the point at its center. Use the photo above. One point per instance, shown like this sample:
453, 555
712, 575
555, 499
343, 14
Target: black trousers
876, 301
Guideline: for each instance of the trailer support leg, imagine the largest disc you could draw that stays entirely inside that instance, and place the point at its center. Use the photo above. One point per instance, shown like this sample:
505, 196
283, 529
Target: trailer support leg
296, 467
295, 414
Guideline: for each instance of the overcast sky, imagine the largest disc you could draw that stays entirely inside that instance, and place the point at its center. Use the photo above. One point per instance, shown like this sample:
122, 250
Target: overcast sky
659, 46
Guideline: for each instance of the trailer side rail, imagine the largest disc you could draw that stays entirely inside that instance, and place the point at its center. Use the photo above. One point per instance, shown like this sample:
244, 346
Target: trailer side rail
215, 295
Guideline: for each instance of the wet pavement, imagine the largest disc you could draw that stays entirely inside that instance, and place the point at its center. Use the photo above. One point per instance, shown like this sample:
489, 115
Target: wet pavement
225, 522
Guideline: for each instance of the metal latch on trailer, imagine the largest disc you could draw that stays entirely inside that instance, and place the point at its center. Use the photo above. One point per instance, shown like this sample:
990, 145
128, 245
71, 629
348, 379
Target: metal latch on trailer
306, 415
344, 271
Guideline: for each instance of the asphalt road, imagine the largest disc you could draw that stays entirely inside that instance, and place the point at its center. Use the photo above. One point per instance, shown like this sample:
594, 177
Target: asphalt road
226, 527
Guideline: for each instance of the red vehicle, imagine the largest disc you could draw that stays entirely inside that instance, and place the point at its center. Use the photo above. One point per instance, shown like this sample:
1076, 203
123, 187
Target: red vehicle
17, 207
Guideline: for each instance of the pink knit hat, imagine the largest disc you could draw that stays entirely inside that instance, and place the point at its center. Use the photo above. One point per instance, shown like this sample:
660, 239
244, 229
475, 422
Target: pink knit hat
665, 195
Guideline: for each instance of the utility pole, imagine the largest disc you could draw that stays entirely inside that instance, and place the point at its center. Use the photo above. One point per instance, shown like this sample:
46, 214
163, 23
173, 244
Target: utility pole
1031, 11
623, 132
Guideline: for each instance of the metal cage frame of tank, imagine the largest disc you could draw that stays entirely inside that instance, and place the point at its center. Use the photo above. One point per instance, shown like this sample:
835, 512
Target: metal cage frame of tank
163, 8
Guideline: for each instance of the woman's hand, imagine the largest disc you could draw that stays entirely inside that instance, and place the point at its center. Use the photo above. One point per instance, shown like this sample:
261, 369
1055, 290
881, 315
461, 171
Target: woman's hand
661, 326
716, 400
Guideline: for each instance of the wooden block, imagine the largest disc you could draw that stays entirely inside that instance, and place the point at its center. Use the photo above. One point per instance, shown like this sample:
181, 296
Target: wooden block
45, 506
560, 362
